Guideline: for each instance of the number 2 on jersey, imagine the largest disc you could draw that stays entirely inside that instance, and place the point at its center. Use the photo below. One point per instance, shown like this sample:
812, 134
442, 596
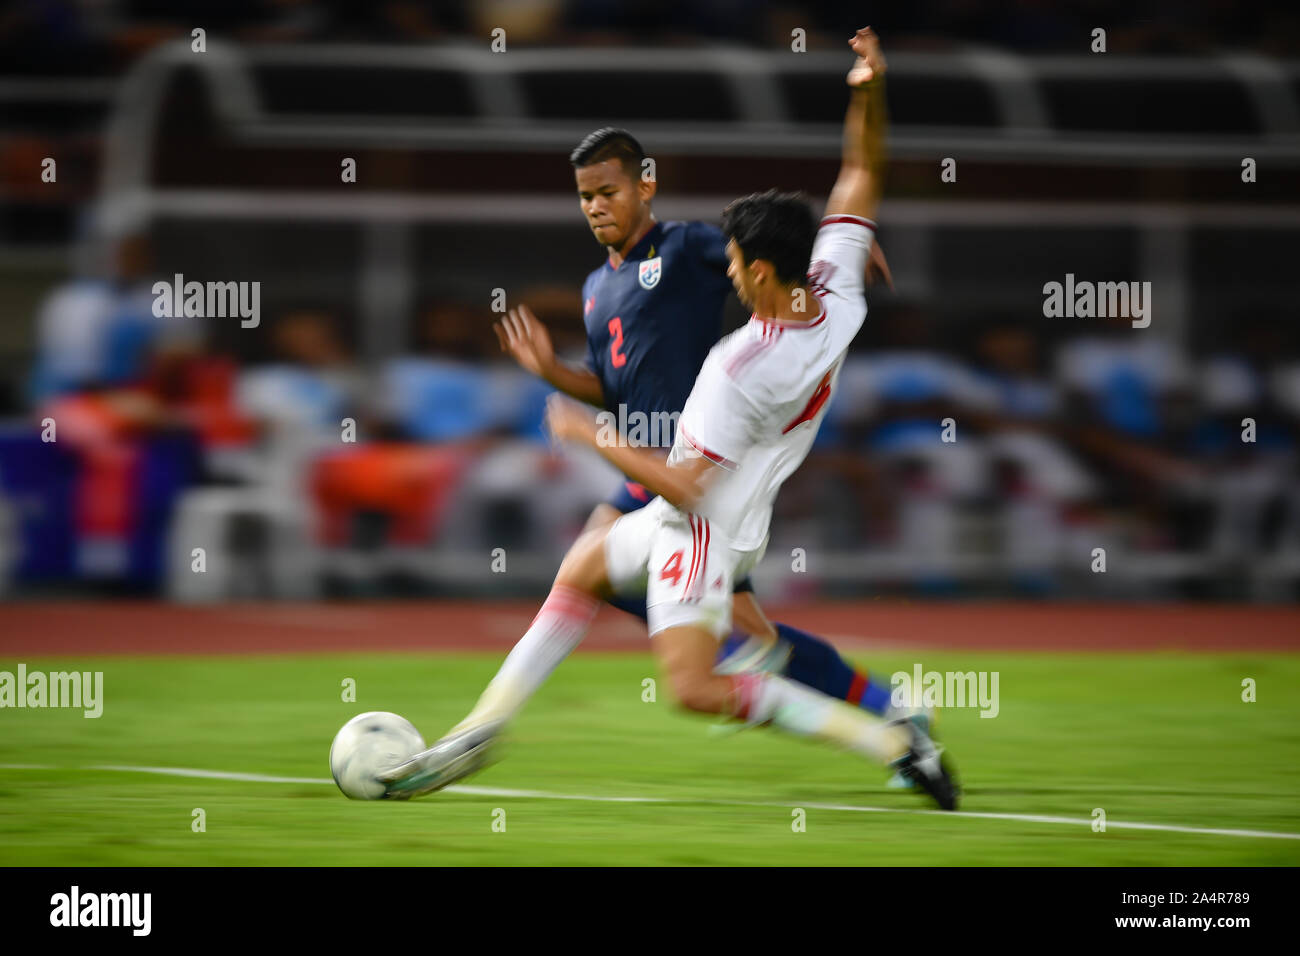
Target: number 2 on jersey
616, 330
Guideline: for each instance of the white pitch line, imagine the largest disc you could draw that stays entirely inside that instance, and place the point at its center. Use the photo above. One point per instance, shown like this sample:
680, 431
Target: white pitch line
591, 798
210, 774
547, 795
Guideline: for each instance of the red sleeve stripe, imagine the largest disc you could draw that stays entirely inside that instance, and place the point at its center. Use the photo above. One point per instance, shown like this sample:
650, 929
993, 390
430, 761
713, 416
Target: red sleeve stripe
856, 220
751, 351
742, 357
712, 456
773, 326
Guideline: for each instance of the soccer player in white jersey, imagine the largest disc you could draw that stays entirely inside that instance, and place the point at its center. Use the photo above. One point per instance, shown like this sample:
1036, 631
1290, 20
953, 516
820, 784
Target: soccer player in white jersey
748, 424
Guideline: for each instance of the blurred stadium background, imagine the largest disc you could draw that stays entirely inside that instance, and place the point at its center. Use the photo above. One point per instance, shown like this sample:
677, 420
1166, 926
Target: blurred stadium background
376, 296
222, 689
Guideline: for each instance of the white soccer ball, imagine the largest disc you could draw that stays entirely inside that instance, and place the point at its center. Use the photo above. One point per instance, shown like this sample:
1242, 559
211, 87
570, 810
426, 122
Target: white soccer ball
367, 745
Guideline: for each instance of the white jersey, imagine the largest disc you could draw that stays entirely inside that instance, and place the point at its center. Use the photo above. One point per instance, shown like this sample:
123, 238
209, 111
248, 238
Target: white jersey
763, 390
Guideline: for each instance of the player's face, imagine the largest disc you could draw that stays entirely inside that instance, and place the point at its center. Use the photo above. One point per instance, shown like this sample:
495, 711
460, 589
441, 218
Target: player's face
739, 273
611, 200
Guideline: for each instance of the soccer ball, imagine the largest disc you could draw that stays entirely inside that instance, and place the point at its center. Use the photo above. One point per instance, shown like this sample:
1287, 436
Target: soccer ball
367, 745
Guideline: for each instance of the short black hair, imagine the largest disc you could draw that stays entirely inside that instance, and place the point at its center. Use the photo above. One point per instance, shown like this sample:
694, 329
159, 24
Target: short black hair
609, 142
776, 226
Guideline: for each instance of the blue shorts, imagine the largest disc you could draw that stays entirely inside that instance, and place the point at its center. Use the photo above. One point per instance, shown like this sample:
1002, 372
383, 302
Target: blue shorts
633, 497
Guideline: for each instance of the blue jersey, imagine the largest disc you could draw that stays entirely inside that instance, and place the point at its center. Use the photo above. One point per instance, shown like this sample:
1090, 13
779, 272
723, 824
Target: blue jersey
651, 322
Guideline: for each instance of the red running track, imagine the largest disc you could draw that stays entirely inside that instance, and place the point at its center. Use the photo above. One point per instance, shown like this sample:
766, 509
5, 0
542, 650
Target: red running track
40, 628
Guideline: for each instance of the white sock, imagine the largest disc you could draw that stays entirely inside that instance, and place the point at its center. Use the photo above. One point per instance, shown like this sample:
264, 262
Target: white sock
760, 698
558, 628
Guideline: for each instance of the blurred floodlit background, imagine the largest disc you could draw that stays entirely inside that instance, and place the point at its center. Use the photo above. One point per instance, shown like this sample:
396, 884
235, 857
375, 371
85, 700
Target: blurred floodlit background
375, 296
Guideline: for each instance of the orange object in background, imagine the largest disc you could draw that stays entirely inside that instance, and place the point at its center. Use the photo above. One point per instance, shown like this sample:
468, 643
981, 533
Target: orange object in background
410, 483
198, 391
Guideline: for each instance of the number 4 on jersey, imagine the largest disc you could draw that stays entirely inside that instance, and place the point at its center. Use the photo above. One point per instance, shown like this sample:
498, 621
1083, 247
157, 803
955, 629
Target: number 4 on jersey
672, 569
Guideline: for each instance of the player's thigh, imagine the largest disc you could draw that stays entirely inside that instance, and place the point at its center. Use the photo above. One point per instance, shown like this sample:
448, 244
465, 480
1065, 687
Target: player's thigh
749, 617
584, 565
686, 654
629, 548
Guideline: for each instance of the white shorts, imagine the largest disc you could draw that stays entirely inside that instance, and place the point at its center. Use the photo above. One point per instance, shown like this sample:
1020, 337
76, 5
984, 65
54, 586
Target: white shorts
683, 564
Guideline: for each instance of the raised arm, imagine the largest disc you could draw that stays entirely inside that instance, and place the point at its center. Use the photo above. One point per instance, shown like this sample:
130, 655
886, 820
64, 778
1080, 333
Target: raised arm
861, 181
525, 338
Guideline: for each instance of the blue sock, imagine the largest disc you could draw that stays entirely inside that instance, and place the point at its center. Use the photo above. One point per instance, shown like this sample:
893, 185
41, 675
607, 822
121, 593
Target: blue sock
730, 645
818, 665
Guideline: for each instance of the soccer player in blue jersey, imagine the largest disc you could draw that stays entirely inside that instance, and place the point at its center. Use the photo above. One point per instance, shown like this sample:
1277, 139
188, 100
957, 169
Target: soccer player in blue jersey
652, 312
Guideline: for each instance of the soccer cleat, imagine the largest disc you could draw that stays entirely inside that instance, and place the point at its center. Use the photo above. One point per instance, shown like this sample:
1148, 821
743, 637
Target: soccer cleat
450, 759
924, 765
923, 720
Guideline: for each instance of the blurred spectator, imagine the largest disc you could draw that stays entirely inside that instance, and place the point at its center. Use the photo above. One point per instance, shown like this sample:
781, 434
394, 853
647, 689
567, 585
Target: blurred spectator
274, 421
516, 492
441, 394
99, 330
1043, 491
894, 399
1246, 443
1122, 378
106, 387
300, 398
1129, 402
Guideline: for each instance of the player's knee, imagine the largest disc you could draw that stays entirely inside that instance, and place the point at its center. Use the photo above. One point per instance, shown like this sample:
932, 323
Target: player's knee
749, 617
695, 691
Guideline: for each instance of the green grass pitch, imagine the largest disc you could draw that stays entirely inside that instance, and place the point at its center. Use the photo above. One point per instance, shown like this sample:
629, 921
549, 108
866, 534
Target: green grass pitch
1160, 739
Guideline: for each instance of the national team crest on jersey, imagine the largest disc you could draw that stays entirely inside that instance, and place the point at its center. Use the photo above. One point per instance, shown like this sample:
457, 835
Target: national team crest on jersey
650, 272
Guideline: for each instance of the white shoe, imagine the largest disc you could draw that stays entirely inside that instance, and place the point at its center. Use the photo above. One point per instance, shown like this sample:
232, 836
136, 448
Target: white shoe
450, 759
924, 720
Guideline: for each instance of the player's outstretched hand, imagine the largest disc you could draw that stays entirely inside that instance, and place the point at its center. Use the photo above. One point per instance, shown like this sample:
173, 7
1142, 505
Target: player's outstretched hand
525, 338
871, 62
566, 420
